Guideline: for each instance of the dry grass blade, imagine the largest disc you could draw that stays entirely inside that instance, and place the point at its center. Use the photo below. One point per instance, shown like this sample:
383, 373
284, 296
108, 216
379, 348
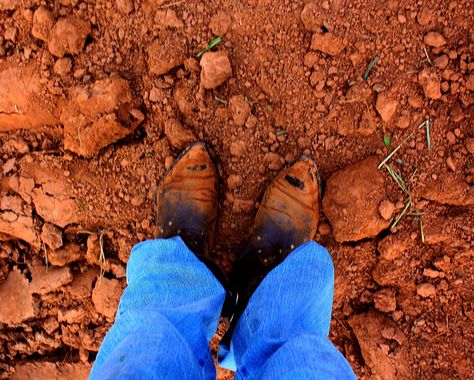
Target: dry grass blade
398, 179
371, 66
46, 261
428, 137
172, 4
220, 100
102, 259
421, 230
427, 57
426, 124
400, 216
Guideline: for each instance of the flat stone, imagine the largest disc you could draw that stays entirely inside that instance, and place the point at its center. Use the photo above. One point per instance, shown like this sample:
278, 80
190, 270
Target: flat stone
48, 279
352, 198
106, 296
16, 302
215, 69
426, 290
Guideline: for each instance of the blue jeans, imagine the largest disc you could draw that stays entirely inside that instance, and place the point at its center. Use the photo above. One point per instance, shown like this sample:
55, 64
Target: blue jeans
171, 308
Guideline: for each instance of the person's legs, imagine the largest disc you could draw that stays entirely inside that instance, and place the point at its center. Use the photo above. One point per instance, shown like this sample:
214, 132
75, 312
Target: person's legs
172, 304
166, 317
284, 295
283, 331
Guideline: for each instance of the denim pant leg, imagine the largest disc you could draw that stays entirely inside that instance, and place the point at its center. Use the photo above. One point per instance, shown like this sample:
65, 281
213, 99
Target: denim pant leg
166, 317
283, 332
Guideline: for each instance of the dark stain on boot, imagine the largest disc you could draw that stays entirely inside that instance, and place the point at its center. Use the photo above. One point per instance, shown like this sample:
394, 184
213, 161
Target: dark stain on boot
197, 168
293, 181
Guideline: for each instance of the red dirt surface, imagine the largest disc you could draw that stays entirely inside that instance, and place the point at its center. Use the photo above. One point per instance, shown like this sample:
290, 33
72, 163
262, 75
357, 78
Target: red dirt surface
97, 98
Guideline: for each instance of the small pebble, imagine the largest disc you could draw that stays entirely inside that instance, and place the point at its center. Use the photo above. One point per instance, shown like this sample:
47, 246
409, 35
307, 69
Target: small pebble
450, 164
426, 290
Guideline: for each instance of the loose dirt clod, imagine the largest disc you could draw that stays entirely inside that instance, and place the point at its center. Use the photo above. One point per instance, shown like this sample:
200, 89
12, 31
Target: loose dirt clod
220, 23
68, 36
106, 296
166, 53
426, 290
215, 69
43, 21
178, 136
240, 109
351, 201
99, 115
16, 303
435, 39
327, 43
430, 83
386, 106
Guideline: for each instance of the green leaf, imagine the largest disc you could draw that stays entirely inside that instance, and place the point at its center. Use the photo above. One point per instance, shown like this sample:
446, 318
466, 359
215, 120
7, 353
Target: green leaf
213, 43
386, 140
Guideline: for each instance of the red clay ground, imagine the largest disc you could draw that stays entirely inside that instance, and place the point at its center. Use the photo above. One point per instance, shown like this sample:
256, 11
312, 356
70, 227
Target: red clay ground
97, 98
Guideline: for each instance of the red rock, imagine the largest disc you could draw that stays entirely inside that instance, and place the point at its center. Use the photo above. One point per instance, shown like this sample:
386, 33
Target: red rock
470, 82
327, 43
185, 99
98, 115
386, 209
441, 62
435, 39
70, 253
215, 69
273, 161
240, 109
6, 5
22, 105
352, 200
392, 247
430, 83
47, 371
81, 285
242, 205
166, 18
374, 332
106, 296
68, 36
426, 17
43, 22
51, 236
470, 144
234, 181
10, 33
178, 136
48, 279
312, 17
16, 302
426, 290
16, 220
449, 190
386, 106
237, 148
166, 52
73, 315
61, 212
62, 66
220, 23
385, 300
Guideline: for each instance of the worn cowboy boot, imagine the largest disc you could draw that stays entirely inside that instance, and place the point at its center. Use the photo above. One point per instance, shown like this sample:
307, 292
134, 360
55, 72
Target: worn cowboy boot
186, 203
288, 217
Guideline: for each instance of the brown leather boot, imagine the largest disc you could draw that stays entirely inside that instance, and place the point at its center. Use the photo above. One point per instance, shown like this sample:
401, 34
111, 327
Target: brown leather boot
287, 218
186, 200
